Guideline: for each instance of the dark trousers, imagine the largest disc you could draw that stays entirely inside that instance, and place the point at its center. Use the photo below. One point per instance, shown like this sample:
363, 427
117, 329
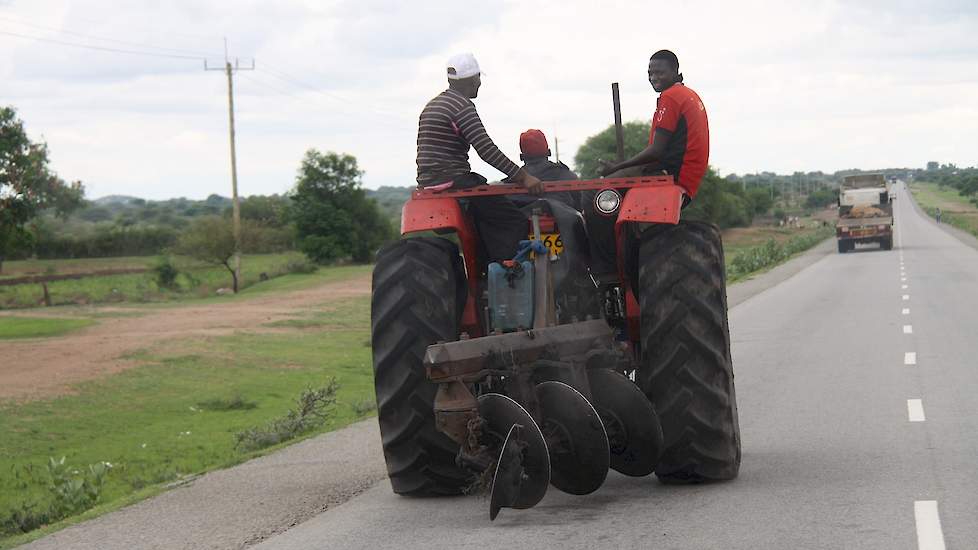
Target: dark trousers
500, 223
601, 228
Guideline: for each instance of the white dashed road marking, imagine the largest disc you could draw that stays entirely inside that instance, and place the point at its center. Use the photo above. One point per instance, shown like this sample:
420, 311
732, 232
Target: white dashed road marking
906, 311
915, 410
929, 534
910, 358
906, 296
908, 329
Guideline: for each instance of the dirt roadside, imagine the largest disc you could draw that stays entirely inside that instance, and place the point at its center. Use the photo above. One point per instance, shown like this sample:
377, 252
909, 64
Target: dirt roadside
45, 367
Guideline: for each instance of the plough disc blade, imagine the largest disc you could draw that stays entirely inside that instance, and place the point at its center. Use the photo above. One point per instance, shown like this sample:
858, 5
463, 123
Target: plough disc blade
522, 470
633, 428
579, 451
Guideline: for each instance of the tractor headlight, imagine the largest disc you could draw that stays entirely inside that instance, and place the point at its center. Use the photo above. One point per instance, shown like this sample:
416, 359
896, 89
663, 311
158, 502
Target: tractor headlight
607, 201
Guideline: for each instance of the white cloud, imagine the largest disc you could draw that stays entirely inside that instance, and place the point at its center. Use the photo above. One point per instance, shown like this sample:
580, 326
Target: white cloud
788, 85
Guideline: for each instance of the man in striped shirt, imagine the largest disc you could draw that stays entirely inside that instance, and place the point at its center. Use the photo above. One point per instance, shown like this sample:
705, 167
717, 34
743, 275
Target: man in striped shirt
448, 126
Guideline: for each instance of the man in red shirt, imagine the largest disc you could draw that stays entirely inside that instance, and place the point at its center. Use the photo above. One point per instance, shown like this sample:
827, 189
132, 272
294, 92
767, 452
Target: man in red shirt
679, 142
679, 145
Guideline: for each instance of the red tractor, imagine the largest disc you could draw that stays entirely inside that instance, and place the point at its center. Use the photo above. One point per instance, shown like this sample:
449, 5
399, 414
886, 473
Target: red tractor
534, 372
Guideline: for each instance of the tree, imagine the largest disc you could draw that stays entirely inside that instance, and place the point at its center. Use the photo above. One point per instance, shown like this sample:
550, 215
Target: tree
717, 201
604, 146
27, 184
760, 199
821, 198
210, 239
333, 217
270, 210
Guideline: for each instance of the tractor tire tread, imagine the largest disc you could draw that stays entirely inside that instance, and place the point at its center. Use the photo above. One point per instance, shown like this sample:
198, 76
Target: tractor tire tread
417, 286
686, 369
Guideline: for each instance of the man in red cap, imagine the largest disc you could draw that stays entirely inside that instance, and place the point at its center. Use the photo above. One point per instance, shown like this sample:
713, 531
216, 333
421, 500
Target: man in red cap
535, 153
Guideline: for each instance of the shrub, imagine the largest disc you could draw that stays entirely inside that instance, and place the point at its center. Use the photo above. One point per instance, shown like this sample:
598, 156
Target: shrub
311, 411
364, 407
300, 265
70, 492
166, 273
772, 253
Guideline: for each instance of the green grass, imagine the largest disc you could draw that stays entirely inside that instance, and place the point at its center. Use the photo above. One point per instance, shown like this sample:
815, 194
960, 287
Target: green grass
757, 258
956, 210
38, 327
195, 281
754, 241
176, 415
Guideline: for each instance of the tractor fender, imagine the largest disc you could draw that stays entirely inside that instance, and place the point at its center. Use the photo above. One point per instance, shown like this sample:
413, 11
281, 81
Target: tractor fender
444, 215
659, 204
643, 205
432, 214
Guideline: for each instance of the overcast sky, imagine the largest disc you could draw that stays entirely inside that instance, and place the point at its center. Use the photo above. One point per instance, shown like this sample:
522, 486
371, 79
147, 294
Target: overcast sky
788, 85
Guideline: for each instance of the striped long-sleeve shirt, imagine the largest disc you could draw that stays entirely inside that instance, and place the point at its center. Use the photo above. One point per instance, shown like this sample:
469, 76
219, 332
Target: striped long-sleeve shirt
449, 124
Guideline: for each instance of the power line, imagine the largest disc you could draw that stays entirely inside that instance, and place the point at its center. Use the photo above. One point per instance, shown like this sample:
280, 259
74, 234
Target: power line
285, 77
103, 39
101, 48
398, 123
154, 28
268, 86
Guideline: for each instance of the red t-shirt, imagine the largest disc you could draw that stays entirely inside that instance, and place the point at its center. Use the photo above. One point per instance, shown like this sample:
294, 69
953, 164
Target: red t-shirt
680, 111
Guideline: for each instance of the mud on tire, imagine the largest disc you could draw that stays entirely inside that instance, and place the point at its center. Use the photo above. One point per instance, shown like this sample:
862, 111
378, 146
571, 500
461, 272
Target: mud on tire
418, 295
685, 367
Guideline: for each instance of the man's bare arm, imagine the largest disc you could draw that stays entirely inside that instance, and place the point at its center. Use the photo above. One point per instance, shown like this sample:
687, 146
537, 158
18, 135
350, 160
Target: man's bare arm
652, 153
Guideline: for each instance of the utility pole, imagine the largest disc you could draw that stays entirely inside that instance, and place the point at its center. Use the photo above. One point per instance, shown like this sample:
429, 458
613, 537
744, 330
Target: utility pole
235, 203
557, 147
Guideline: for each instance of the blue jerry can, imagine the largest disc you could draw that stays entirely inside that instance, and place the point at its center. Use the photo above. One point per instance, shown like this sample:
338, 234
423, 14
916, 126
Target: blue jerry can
511, 296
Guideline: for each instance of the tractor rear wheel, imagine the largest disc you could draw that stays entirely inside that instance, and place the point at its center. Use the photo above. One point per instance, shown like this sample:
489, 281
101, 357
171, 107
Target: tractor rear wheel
685, 367
418, 295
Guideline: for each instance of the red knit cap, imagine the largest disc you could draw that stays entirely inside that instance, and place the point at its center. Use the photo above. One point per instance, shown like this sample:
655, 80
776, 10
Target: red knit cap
534, 144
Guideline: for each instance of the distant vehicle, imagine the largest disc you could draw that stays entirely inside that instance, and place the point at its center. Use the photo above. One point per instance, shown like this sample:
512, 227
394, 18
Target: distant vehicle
865, 212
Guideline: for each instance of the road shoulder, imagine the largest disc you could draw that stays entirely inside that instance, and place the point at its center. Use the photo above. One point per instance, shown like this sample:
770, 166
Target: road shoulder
742, 291
243, 505
961, 235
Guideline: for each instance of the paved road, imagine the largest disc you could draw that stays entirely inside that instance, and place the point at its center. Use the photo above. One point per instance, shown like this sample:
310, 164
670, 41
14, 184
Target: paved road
835, 453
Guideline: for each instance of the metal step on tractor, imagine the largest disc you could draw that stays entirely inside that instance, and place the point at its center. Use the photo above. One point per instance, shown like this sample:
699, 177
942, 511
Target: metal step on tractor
514, 377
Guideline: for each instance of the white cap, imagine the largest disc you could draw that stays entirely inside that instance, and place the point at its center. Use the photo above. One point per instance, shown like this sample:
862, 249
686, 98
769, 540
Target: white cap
465, 66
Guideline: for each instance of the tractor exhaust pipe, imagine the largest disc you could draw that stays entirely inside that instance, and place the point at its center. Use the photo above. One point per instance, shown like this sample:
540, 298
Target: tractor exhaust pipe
619, 131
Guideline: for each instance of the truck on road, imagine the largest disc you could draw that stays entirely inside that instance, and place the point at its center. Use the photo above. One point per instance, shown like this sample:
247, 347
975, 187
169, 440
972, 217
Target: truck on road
865, 212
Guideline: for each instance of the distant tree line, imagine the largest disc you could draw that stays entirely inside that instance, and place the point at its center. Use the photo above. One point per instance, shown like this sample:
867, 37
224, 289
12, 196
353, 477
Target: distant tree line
964, 180
327, 215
